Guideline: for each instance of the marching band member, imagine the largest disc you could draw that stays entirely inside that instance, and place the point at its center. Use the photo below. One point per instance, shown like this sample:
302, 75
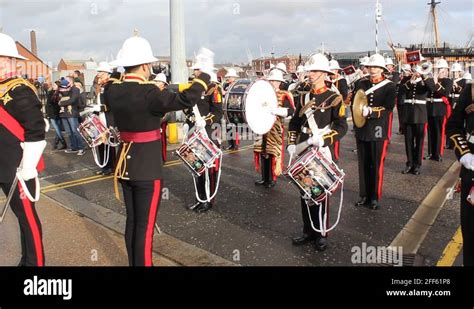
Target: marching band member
458, 83
326, 105
404, 78
22, 142
439, 110
103, 82
372, 138
282, 68
210, 109
338, 85
232, 129
268, 148
460, 130
415, 92
138, 106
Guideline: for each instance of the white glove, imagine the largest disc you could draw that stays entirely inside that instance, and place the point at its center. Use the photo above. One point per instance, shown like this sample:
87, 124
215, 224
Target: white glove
280, 111
32, 152
316, 140
291, 149
46, 122
200, 123
205, 58
95, 108
366, 111
467, 161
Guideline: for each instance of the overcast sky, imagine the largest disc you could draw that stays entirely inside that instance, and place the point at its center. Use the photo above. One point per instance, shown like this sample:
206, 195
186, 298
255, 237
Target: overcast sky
85, 28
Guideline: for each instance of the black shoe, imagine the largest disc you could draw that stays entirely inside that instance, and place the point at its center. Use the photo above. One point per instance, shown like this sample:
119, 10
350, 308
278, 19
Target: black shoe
436, 158
260, 182
416, 171
427, 157
193, 206
303, 239
321, 244
270, 184
107, 172
230, 147
408, 170
203, 207
374, 205
363, 201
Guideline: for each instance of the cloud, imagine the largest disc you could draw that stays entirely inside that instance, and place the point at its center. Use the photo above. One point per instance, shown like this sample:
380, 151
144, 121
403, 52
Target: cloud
97, 28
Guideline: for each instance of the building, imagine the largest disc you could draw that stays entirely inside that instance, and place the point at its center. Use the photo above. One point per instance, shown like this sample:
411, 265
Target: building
264, 63
34, 68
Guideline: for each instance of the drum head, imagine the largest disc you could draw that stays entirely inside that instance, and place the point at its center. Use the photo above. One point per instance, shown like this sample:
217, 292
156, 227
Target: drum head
260, 99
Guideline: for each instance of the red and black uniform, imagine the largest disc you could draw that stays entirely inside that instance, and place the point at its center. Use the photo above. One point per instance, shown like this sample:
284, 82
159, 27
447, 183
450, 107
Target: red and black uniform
138, 106
439, 110
21, 120
340, 83
372, 139
458, 86
210, 108
327, 106
460, 130
401, 94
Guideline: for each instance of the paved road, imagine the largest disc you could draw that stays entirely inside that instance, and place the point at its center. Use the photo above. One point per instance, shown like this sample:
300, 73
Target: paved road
253, 226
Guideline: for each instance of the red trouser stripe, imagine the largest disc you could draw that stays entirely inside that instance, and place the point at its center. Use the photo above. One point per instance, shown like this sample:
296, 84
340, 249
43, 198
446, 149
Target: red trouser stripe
30, 217
423, 141
390, 120
382, 163
443, 136
155, 201
336, 150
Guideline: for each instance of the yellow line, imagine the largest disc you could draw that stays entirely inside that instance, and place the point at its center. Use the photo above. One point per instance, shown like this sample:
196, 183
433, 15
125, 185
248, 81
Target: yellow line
92, 179
61, 186
452, 250
73, 181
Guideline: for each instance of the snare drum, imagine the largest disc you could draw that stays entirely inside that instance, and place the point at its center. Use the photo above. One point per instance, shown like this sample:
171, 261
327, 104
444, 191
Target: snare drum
315, 175
250, 103
93, 131
199, 153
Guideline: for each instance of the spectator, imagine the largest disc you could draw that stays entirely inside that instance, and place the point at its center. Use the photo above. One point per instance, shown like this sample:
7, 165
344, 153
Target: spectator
69, 103
52, 113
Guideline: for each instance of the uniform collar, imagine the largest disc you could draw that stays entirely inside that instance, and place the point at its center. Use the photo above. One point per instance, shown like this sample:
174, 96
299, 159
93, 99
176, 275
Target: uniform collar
320, 90
377, 80
130, 77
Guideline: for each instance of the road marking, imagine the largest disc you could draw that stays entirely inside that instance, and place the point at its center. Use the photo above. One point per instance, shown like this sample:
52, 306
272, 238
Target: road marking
97, 178
415, 231
452, 250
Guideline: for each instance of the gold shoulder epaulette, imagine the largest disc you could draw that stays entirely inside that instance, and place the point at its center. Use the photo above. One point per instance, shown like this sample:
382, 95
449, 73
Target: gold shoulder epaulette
15, 83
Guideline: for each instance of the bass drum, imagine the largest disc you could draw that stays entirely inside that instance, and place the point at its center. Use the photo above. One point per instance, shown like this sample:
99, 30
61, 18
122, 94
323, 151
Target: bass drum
251, 103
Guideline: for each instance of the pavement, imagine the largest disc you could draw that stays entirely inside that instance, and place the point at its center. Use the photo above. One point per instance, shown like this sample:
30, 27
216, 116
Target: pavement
249, 226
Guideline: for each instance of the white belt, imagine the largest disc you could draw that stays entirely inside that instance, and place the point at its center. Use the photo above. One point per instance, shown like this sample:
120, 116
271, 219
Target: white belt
413, 101
435, 100
470, 138
454, 95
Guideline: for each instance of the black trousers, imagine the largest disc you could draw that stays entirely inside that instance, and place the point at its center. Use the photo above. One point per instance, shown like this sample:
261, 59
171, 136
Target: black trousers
201, 183
467, 218
233, 135
371, 156
401, 115
436, 136
312, 215
142, 200
112, 155
414, 139
266, 168
32, 252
